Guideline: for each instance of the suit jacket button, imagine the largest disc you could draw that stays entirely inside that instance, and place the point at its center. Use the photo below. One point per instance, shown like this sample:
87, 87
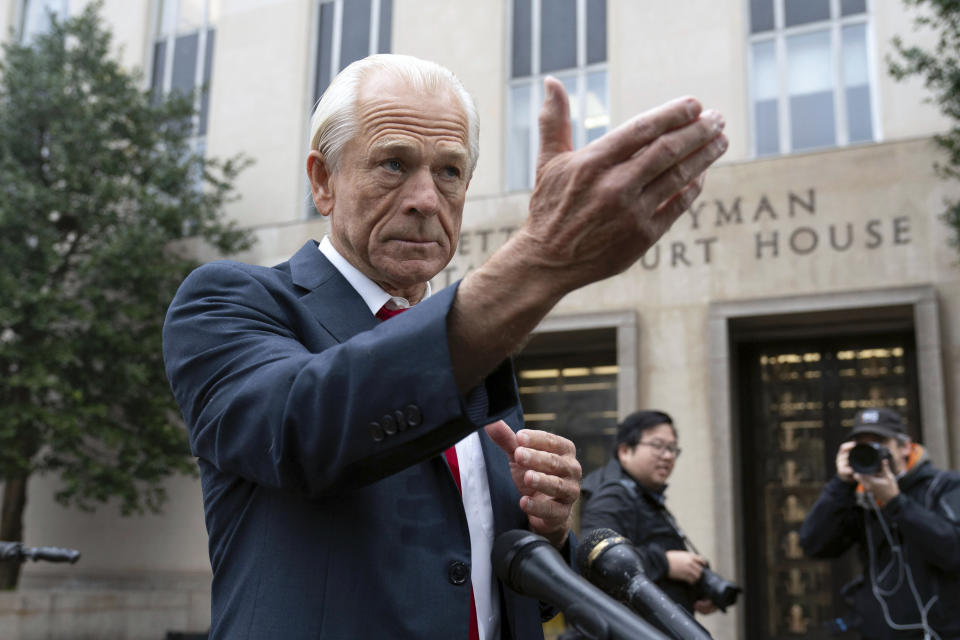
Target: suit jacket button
401, 420
458, 572
376, 432
389, 424
414, 417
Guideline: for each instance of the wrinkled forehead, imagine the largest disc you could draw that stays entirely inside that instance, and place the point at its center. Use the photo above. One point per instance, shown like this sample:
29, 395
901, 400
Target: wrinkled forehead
391, 106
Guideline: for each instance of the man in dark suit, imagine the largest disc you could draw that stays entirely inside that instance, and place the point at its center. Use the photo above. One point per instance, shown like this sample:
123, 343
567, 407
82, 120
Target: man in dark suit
356, 462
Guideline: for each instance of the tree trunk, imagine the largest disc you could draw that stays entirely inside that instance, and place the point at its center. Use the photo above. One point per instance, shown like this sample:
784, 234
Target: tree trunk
11, 526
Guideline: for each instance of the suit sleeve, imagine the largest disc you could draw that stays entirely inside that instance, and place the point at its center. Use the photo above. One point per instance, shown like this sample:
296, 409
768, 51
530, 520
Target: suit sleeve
261, 404
613, 507
934, 533
832, 524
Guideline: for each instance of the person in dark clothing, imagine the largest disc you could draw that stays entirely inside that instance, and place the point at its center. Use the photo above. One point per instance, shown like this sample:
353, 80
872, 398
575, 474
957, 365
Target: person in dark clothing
627, 495
905, 521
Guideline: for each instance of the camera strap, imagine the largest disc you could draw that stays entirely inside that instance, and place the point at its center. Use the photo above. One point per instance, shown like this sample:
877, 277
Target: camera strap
660, 501
673, 524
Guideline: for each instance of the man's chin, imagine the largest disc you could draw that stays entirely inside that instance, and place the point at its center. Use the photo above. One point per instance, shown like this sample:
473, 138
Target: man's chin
410, 275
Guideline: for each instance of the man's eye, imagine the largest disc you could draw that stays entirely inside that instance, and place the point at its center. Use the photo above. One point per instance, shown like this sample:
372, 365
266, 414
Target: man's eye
392, 164
451, 172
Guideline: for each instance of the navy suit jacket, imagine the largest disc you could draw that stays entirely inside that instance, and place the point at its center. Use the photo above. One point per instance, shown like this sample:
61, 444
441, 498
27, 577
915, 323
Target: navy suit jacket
330, 510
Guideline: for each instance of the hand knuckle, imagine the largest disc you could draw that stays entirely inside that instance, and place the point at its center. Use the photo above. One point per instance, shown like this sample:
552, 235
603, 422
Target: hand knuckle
670, 147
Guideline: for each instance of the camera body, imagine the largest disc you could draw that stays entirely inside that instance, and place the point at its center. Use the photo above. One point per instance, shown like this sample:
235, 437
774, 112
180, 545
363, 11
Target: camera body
717, 589
867, 457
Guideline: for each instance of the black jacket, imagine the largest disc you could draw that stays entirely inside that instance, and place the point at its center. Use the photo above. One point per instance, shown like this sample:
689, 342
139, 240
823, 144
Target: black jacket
614, 500
924, 521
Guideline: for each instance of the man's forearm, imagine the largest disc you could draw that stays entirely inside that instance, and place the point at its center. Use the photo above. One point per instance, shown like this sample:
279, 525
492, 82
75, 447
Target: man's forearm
496, 308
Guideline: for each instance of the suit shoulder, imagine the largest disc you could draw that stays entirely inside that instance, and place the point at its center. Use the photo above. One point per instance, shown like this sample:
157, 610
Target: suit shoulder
231, 270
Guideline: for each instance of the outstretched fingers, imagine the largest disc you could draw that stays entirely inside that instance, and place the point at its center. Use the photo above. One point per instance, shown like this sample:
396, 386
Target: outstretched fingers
638, 132
664, 177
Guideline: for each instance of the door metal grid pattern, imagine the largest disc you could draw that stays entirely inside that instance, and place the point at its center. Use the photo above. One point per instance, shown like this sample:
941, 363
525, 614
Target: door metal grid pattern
800, 403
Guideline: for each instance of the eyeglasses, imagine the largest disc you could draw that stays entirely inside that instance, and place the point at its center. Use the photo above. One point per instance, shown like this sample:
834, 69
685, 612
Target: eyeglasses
662, 448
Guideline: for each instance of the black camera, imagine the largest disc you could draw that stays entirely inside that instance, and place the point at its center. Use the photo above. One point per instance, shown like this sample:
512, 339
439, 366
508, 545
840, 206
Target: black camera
867, 457
717, 590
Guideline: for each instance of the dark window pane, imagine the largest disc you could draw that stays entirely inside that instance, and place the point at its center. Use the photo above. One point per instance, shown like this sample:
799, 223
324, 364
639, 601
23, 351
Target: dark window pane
856, 80
386, 26
596, 31
858, 114
558, 35
766, 121
811, 121
207, 82
324, 50
355, 34
761, 15
156, 76
852, 7
522, 30
185, 63
804, 11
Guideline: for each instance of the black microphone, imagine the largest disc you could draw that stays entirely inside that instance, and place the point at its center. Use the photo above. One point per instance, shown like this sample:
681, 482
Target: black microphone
609, 561
529, 565
17, 551
52, 554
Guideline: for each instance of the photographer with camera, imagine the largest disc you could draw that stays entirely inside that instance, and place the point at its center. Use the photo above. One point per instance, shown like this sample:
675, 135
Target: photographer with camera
904, 516
627, 495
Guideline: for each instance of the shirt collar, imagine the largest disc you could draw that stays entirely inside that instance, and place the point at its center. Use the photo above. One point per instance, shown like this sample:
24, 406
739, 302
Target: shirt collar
373, 295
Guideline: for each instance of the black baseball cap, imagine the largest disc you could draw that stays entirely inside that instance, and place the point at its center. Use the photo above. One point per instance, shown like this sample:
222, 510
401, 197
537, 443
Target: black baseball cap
879, 421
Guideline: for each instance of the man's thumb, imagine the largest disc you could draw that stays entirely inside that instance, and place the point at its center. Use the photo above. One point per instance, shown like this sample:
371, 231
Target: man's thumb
504, 437
555, 132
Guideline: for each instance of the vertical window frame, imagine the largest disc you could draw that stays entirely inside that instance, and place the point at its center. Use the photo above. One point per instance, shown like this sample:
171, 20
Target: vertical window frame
21, 13
376, 10
535, 81
169, 40
315, 93
779, 35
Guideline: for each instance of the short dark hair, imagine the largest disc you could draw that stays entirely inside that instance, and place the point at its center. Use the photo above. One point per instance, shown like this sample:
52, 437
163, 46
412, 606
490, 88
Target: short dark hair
631, 429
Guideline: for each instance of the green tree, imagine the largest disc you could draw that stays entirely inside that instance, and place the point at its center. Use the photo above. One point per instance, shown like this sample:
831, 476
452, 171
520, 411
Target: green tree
98, 183
940, 70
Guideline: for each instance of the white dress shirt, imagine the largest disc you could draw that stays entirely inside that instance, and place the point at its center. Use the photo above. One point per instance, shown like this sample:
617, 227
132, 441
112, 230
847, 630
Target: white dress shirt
473, 470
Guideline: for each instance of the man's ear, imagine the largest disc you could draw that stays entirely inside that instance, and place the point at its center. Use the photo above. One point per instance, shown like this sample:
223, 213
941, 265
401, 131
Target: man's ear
321, 182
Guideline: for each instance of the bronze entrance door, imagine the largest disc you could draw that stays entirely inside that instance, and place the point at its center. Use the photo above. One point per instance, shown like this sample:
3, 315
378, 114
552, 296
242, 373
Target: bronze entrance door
797, 402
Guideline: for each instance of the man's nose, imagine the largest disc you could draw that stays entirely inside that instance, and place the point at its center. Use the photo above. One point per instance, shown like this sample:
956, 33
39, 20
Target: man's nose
422, 195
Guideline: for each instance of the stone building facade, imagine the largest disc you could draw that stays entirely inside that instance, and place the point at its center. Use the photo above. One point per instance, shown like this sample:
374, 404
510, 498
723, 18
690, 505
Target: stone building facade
812, 277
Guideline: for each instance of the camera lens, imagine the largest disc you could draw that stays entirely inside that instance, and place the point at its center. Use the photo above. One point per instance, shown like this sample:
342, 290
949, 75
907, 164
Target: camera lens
867, 457
719, 591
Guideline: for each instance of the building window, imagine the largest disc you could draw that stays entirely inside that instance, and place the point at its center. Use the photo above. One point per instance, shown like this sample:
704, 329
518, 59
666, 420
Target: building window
810, 75
183, 54
568, 385
568, 40
347, 30
35, 16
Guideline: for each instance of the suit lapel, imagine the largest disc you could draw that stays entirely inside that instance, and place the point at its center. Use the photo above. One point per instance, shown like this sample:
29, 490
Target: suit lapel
331, 299
339, 308
504, 496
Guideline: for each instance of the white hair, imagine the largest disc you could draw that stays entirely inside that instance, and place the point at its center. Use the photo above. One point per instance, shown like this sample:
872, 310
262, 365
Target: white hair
334, 121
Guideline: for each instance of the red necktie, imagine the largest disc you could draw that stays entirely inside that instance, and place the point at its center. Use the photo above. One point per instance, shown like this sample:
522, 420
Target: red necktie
386, 313
451, 455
